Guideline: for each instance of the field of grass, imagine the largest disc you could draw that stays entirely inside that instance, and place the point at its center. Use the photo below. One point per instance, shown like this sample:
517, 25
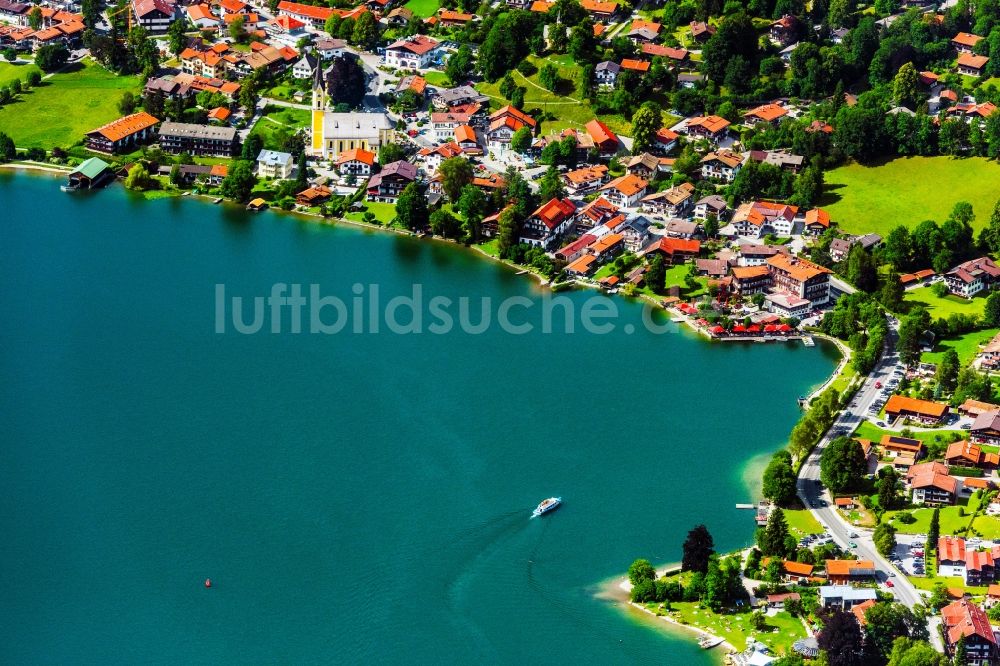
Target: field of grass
736, 627
868, 430
423, 8
863, 199
966, 346
63, 108
563, 104
9, 72
383, 212
801, 521
948, 305
279, 119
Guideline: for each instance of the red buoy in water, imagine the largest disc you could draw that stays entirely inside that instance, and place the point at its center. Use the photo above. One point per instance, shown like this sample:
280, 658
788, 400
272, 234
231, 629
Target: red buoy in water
208, 582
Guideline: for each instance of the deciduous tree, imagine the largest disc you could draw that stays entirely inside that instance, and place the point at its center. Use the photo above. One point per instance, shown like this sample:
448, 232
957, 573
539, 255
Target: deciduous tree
842, 464
411, 208
456, 173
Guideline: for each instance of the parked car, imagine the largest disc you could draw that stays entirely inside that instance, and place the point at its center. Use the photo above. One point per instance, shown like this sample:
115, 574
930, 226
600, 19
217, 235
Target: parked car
878, 384
888, 583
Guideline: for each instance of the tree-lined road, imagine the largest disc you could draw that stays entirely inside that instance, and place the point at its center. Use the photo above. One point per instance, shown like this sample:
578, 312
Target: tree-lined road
820, 502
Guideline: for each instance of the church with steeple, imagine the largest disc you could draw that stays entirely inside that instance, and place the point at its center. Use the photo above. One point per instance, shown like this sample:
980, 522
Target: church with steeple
333, 132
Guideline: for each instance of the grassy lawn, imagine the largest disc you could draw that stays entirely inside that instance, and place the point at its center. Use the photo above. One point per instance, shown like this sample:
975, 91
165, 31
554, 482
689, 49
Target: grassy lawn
966, 346
863, 199
436, 78
63, 108
10, 72
490, 247
868, 430
950, 520
423, 8
948, 305
844, 379
735, 627
801, 521
383, 212
563, 104
279, 119
923, 583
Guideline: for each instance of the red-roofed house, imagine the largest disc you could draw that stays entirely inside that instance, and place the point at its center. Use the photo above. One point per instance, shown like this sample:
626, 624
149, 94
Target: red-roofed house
710, 127
625, 191
416, 52
154, 15
969, 278
675, 250
972, 65
965, 619
357, 161
604, 139
315, 16
766, 113
549, 222
934, 489
504, 122
965, 42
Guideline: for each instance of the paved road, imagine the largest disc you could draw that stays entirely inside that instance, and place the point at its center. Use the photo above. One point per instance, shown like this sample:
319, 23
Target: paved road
820, 501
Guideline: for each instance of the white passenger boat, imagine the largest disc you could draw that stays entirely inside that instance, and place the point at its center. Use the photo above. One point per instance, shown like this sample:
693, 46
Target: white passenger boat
550, 504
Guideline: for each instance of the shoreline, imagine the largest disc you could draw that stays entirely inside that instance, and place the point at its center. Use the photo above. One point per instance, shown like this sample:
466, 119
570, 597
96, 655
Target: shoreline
616, 590
34, 166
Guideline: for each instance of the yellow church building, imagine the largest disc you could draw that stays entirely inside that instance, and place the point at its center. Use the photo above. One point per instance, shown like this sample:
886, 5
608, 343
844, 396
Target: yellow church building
333, 133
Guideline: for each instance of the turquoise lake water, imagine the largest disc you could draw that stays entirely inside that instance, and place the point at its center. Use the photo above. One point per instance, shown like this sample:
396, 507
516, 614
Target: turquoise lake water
353, 497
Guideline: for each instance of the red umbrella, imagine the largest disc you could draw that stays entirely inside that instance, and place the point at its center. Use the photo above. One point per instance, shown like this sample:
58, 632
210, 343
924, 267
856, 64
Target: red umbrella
784, 328
770, 328
716, 330
702, 322
739, 328
754, 329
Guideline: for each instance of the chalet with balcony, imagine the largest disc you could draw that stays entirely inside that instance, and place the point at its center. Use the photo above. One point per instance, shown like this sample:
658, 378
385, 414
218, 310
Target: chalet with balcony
548, 223
973, 276
722, 165
389, 183
966, 622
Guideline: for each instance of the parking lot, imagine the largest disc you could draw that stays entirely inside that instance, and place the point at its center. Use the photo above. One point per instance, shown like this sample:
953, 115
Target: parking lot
908, 554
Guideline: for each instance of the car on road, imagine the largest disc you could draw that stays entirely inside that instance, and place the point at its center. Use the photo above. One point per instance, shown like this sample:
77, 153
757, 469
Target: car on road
852, 544
888, 583
878, 384
880, 424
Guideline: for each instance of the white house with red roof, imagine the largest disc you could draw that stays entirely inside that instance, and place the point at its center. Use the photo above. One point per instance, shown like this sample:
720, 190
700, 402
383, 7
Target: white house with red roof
154, 15
504, 122
971, 277
415, 52
548, 223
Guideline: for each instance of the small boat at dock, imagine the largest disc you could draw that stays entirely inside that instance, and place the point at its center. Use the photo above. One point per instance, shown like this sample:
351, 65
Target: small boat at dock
546, 505
708, 642
808, 341
217, 201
